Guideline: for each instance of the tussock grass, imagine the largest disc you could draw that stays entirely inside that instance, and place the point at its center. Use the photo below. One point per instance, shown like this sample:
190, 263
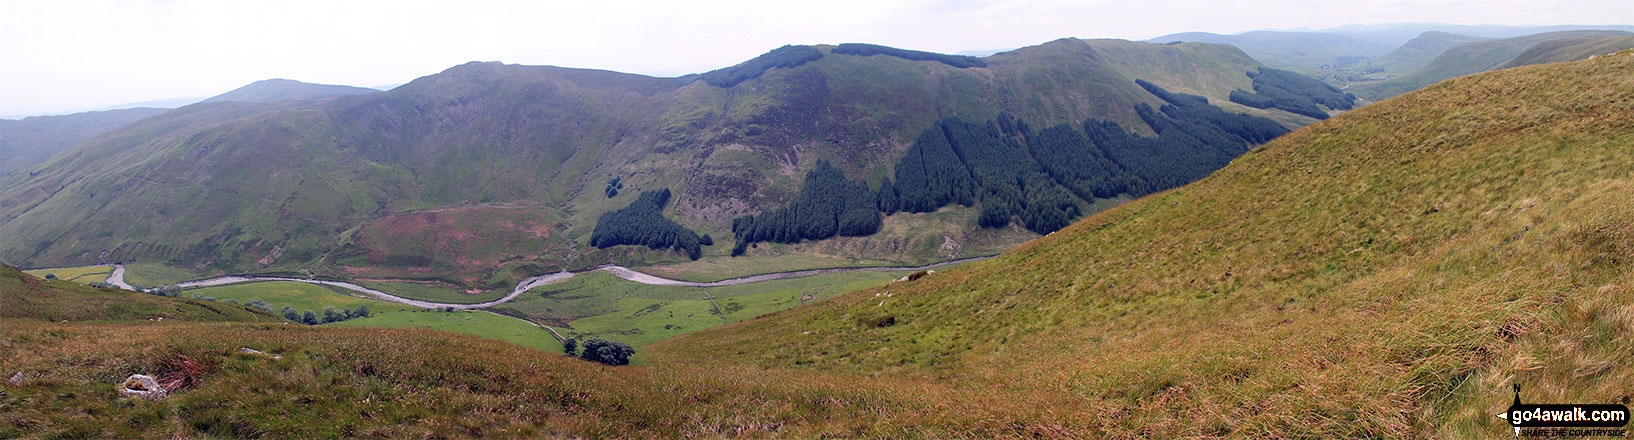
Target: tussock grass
415, 383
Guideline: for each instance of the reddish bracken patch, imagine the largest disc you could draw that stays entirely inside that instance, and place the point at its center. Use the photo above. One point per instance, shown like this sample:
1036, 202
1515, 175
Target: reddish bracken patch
178, 372
459, 240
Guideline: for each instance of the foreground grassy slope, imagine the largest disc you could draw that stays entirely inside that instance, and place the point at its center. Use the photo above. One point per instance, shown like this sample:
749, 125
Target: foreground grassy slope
1384, 274
399, 383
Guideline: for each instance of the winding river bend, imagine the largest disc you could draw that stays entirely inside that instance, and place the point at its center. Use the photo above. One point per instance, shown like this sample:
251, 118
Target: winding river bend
552, 278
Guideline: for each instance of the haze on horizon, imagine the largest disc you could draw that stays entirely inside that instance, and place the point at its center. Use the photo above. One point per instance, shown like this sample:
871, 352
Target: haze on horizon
76, 56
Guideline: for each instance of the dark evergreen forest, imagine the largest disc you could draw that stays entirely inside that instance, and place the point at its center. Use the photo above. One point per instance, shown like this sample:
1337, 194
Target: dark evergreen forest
643, 223
860, 49
1293, 92
827, 205
786, 56
1038, 179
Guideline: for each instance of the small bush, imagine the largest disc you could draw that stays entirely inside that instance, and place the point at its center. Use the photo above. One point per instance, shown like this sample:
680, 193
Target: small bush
879, 321
607, 352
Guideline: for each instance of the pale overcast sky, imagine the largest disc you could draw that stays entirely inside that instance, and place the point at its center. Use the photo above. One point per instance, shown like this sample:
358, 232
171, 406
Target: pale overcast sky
68, 55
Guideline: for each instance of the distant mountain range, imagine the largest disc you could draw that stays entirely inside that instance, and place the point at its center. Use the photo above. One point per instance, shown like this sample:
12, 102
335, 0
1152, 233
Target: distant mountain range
1367, 53
356, 185
278, 89
1491, 54
32, 140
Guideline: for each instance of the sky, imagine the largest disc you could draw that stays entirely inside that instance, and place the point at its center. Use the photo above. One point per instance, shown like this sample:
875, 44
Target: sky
70, 55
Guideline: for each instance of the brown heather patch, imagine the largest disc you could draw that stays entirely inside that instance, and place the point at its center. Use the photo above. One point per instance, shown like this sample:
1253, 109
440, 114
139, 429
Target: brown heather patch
457, 243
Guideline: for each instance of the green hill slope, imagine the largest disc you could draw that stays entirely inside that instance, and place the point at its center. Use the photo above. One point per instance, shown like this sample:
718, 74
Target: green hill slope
1465, 59
344, 187
1386, 273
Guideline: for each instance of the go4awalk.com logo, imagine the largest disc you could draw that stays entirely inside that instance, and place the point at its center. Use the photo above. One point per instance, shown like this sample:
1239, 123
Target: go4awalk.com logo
1565, 419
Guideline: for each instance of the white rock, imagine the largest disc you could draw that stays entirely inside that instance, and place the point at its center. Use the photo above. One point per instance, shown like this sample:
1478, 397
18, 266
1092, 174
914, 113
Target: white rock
142, 386
259, 353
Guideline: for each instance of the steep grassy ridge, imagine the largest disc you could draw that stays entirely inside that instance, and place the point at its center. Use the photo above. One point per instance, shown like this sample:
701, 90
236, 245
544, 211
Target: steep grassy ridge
1384, 274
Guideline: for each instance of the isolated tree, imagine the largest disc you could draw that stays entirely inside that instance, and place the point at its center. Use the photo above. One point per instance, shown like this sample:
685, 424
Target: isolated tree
290, 314
570, 346
309, 318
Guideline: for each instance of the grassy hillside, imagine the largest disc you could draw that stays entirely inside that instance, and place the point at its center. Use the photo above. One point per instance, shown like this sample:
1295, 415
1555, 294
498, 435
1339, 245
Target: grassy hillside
32, 140
1387, 273
27, 296
1465, 59
487, 172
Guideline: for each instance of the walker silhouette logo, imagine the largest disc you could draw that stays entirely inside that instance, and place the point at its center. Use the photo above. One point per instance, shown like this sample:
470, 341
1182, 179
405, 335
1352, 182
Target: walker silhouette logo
1569, 415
